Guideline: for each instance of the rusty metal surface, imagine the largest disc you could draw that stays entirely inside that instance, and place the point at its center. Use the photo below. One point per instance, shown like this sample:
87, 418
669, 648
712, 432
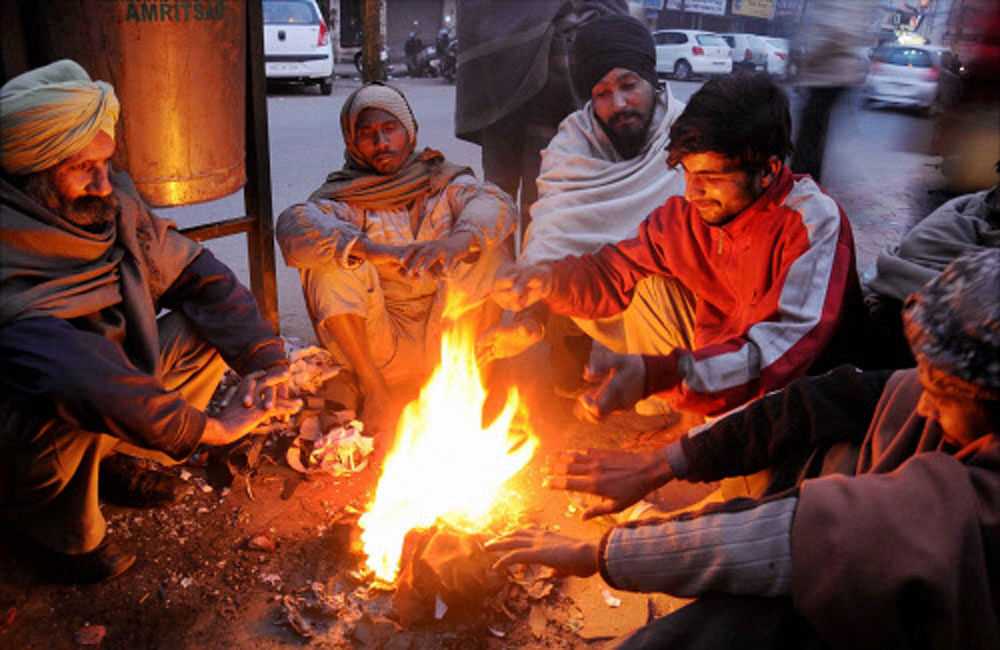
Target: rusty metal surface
219, 228
181, 83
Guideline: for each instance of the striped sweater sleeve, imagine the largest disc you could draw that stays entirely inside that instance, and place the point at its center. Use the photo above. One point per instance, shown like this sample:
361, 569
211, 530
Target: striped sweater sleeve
739, 548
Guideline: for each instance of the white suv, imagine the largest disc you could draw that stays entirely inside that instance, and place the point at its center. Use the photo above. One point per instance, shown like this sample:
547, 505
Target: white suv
683, 52
297, 43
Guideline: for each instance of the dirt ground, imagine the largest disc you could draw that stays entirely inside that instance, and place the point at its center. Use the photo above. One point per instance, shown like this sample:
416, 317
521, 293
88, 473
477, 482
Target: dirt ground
216, 568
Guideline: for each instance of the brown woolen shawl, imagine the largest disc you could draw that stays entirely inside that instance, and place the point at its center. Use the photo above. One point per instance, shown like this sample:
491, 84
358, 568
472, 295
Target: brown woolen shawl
50, 267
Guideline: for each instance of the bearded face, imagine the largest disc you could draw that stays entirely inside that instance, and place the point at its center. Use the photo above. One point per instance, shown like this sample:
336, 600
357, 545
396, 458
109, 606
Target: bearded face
624, 103
78, 188
89, 212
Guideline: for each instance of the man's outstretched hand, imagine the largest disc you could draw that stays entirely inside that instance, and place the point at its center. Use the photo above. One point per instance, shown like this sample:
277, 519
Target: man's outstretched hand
620, 478
265, 389
505, 340
535, 546
620, 382
439, 257
518, 287
265, 386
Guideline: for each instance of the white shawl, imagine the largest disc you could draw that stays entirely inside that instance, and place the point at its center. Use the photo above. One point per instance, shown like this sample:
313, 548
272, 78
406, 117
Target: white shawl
588, 195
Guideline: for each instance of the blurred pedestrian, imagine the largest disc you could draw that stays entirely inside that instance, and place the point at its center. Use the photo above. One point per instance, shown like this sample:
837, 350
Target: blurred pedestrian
829, 56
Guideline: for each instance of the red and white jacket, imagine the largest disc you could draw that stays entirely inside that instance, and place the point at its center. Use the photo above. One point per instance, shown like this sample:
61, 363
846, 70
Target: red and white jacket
777, 292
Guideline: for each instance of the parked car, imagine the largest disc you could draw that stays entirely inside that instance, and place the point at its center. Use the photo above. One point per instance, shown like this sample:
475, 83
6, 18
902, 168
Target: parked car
922, 76
297, 43
777, 56
749, 51
684, 52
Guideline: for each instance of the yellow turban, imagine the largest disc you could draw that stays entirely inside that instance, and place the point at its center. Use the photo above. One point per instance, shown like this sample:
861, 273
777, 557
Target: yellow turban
51, 113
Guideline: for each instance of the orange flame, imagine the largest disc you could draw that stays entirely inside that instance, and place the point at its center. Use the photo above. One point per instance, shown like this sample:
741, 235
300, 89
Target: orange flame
444, 465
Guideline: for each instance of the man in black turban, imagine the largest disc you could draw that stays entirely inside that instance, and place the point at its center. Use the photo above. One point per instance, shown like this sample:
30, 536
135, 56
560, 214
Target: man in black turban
601, 175
513, 84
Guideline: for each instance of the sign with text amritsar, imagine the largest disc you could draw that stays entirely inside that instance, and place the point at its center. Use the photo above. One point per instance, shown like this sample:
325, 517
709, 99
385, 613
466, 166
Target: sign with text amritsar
713, 7
755, 8
162, 11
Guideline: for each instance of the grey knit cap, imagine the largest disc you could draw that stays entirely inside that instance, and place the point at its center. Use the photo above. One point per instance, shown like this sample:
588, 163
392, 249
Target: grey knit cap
953, 322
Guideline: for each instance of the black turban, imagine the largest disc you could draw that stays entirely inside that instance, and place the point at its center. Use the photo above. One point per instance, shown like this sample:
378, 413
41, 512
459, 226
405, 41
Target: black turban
609, 42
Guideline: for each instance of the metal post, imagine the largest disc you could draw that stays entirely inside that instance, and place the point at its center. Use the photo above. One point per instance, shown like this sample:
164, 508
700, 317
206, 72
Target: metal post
257, 193
372, 40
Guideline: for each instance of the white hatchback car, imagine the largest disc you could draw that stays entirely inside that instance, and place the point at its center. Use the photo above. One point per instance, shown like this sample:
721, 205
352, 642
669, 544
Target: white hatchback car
297, 43
683, 52
927, 77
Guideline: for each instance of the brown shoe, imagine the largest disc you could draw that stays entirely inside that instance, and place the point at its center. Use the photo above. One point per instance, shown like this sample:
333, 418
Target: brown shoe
106, 561
123, 482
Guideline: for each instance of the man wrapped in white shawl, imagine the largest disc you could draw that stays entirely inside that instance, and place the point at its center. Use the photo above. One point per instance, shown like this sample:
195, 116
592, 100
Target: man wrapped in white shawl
605, 170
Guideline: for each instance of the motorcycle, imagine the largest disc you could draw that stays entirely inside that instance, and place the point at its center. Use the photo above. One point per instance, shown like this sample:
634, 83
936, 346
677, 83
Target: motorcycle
447, 48
421, 60
383, 56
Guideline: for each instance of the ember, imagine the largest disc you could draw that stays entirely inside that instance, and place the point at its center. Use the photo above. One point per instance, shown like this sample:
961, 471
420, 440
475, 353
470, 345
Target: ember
444, 465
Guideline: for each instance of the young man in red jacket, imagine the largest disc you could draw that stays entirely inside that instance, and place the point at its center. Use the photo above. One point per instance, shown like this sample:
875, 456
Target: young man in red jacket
734, 290
884, 531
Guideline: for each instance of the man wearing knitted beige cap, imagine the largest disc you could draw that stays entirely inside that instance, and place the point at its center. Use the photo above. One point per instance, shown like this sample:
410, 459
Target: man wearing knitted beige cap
379, 242
881, 530
86, 367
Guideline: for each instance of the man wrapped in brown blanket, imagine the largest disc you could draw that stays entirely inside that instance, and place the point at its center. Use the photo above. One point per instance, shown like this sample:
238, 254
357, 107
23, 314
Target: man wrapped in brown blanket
86, 367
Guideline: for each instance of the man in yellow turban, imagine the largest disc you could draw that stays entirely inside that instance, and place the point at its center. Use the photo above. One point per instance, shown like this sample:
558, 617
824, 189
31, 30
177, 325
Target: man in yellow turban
86, 367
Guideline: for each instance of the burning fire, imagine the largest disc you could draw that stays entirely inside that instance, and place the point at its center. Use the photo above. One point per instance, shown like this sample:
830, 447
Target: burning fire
444, 465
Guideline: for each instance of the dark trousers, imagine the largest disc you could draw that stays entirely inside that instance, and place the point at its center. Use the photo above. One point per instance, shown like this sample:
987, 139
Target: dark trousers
810, 144
724, 622
512, 159
50, 466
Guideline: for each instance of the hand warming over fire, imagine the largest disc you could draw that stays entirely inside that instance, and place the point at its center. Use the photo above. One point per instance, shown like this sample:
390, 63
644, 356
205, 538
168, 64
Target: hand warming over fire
535, 546
621, 478
620, 379
518, 287
379, 254
505, 340
236, 419
264, 386
439, 257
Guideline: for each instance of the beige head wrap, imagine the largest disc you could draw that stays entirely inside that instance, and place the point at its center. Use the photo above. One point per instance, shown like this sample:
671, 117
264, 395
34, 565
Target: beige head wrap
375, 95
51, 113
